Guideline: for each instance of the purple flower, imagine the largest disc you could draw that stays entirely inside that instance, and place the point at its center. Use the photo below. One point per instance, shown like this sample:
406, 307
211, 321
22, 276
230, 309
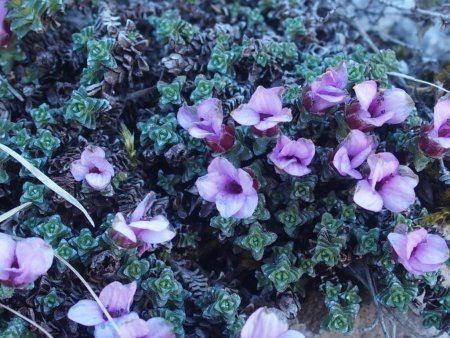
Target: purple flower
268, 323
5, 32
231, 189
418, 251
293, 157
139, 230
264, 111
389, 184
94, 168
375, 108
327, 91
435, 139
24, 261
117, 299
131, 326
205, 122
352, 152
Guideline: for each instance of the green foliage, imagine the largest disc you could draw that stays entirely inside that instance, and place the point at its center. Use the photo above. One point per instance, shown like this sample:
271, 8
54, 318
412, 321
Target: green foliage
135, 268
222, 60
294, 27
170, 27
53, 230
49, 301
5, 92
42, 115
256, 240
176, 318
219, 303
303, 188
432, 318
281, 273
6, 292
21, 139
328, 248
85, 242
30, 15
34, 193
165, 289
170, 93
80, 40
341, 319
99, 53
367, 241
161, 131
329, 223
16, 328
225, 225
46, 142
397, 294
83, 108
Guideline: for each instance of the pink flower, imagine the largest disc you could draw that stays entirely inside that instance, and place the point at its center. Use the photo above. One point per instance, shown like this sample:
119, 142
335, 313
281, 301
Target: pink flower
327, 91
418, 251
205, 122
375, 108
231, 189
94, 168
268, 323
24, 261
139, 230
352, 152
131, 326
389, 184
5, 32
264, 111
435, 139
293, 157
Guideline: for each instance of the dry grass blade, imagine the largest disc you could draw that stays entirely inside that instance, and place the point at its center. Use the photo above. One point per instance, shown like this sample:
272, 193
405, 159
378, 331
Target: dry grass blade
44, 331
12, 212
47, 181
93, 294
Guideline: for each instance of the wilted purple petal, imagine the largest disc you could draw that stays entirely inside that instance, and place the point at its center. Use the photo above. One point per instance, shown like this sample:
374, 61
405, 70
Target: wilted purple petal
7, 255
160, 328
117, 298
86, 312
366, 196
5, 32
121, 227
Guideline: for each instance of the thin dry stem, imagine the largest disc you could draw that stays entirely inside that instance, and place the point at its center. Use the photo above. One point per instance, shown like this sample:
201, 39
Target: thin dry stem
12, 212
91, 291
32, 322
411, 78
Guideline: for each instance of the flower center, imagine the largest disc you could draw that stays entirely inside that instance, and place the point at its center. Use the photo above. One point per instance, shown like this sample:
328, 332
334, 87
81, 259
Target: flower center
234, 188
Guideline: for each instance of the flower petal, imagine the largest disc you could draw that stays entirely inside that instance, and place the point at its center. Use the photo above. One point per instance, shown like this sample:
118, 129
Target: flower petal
291, 334
86, 312
245, 115
106, 330
143, 207
441, 112
228, 203
34, 257
366, 197
7, 255
365, 93
266, 101
381, 165
117, 298
134, 328
160, 328
157, 237
433, 251
78, 170
399, 243
398, 192
90, 152
157, 223
265, 323
98, 181
249, 207
186, 116
209, 185
398, 101
120, 226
